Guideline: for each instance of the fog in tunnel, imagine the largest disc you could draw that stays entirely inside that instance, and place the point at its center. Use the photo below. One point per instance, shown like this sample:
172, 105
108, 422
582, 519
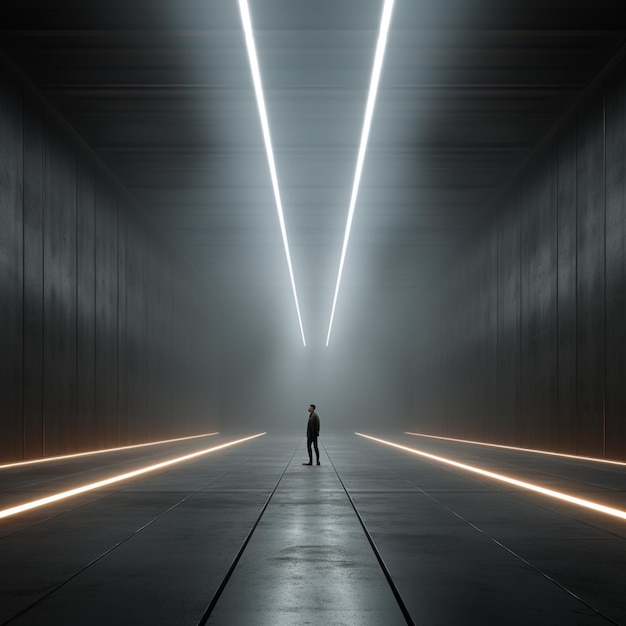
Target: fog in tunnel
145, 287
315, 98
268, 379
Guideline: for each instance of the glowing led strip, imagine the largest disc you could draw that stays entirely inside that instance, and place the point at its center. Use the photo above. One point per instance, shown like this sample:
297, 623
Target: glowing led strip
256, 79
369, 112
511, 481
91, 452
27, 506
497, 445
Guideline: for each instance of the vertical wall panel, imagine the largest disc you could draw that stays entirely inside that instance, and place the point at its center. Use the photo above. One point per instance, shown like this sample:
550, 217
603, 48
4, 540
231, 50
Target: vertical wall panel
151, 287
524, 426
122, 355
470, 418
509, 311
560, 297
566, 292
450, 365
98, 316
616, 265
86, 305
132, 339
138, 394
59, 388
490, 298
590, 286
106, 318
541, 357
11, 270
33, 278
169, 353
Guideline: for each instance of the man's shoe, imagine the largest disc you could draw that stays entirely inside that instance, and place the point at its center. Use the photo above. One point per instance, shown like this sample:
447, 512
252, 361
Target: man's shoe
318, 462
307, 464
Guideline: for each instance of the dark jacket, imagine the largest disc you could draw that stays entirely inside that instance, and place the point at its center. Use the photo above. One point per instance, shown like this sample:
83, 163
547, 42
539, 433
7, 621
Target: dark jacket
313, 426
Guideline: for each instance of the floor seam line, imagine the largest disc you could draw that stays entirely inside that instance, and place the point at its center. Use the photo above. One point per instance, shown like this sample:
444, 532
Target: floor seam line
509, 550
379, 558
231, 569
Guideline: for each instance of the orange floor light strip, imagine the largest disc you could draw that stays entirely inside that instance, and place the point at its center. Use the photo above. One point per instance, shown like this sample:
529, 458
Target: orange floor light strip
498, 445
594, 506
27, 506
90, 452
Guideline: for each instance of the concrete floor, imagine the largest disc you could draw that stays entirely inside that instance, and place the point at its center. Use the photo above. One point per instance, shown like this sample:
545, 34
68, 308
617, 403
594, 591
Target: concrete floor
460, 548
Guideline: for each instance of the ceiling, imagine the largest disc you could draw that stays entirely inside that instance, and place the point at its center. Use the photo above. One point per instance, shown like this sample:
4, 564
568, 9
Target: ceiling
161, 91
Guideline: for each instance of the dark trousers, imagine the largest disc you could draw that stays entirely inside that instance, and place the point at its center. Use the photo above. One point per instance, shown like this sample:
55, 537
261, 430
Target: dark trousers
312, 441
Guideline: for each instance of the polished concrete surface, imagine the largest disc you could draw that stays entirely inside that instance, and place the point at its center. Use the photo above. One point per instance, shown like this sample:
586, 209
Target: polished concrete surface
459, 548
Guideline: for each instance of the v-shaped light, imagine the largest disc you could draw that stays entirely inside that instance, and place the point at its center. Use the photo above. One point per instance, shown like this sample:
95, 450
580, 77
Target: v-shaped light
369, 112
258, 89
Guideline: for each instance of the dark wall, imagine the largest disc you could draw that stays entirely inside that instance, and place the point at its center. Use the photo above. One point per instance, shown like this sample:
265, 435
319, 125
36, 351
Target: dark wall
527, 336
103, 333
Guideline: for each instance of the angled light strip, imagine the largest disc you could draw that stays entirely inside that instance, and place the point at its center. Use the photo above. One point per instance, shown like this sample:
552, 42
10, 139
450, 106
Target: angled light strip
497, 445
48, 459
27, 506
588, 504
369, 112
256, 79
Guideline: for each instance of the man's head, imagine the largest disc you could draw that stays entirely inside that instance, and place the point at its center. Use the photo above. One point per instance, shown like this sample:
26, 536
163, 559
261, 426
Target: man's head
311, 408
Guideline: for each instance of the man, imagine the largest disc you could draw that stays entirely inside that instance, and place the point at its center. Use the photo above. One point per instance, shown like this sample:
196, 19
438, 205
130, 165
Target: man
312, 433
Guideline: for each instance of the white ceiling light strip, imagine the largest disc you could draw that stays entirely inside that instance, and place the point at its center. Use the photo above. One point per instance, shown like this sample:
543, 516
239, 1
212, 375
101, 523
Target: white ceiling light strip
369, 112
256, 78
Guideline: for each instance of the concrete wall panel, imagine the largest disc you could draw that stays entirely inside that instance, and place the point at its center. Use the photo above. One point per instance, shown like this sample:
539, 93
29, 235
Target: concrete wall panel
33, 278
489, 299
86, 305
99, 317
560, 300
11, 268
615, 408
566, 291
59, 258
590, 279
122, 369
539, 307
508, 337
139, 393
106, 433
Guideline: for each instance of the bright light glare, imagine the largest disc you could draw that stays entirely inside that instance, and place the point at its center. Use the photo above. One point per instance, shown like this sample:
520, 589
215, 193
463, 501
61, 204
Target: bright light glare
27, 506
256, 78
369, 112
497, 445
91, 452
511, 481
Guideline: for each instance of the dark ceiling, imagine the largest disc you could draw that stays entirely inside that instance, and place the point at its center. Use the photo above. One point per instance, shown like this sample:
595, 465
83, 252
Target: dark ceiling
161, 91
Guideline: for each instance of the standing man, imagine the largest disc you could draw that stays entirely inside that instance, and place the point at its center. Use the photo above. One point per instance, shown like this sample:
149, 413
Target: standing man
312, 433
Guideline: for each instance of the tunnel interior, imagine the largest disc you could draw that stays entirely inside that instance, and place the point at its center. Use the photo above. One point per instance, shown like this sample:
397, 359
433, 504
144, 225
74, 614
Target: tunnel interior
144, 293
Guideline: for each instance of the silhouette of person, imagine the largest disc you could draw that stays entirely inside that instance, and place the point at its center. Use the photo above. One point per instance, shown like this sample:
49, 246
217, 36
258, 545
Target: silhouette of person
312, 433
